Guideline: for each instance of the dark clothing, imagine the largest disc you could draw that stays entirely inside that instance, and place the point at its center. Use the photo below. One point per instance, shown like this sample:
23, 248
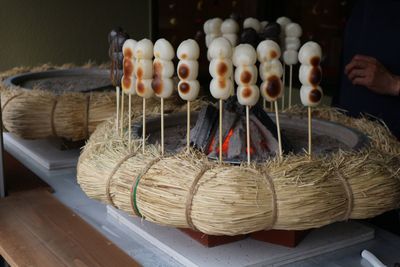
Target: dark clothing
372, 30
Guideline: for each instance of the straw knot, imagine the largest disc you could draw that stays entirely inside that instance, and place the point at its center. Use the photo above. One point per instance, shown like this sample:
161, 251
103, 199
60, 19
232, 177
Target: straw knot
189, 199
53, 127
273, 199
349, 194
86, 117
108, 181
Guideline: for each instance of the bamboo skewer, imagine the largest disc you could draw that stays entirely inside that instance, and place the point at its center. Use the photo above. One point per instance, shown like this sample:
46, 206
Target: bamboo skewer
284, 84
162, 126
264, 104
117, 94
220, 130
130, 122
144, 125
309, 132
122, 113
248, 134
278, 129
290, 85
188, 128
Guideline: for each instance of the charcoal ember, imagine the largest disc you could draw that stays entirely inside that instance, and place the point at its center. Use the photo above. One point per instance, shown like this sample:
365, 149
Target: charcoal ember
259, 112
249, 36
229, 120
263, 134
235, 150
200, 134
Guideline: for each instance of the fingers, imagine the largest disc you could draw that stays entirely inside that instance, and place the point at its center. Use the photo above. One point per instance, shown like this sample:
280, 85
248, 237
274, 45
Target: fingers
355, 64
363, 81
357, 73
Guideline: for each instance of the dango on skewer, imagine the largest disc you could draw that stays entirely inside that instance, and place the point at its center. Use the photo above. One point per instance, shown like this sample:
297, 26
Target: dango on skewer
116, 40
248, 94
144, 74
163, 70
293, 32
221, 69
283, 21
272, 86
230, 29
188, 87
212, 29
128, 81
310, 75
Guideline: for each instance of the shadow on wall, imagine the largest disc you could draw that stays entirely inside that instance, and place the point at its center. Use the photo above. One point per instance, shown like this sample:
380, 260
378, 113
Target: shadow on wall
64, 31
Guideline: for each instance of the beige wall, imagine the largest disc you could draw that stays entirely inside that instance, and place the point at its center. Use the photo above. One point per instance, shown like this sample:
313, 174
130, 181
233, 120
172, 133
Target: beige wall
61, 31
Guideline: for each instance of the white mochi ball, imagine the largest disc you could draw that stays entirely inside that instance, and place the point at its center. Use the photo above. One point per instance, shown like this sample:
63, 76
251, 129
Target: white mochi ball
221, 68
273, 67
206, 26
188, 49
220, 48
292, 43
283, 21
293, 30
248, 95
215, 25
128, 49
268, 50
163, 68
128, 85
310, 54
162, 87
144, 89
229, 26
163, 50
263, 24
128, 67
221, 88
310, 75
232, 38
252, 23
188, 69
311, 96
188, 90
144, 68
144, 49
244, 54
290, 57
272, 88
246, 74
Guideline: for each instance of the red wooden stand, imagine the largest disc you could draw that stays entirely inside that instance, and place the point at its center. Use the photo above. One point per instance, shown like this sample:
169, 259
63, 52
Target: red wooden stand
280, 237
212, 240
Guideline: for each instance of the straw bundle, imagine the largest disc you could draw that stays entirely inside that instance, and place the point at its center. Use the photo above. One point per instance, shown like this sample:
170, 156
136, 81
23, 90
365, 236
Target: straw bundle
37, 113
188, 191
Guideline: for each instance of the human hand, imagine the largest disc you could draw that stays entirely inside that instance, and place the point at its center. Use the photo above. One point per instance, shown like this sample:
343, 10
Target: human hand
369, 72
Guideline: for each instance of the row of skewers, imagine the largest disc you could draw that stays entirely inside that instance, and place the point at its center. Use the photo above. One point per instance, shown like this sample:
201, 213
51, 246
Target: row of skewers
147, 70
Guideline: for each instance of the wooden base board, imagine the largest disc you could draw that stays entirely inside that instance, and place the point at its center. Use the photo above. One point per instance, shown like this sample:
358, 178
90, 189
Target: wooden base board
212, 240
280, 237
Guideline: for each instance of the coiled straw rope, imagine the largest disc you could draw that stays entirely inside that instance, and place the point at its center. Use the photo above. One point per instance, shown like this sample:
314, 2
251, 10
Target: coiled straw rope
189, 191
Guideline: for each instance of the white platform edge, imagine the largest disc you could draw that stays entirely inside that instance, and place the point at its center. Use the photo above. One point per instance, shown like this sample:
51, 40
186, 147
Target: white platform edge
115, 215
124, 220
48, 156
